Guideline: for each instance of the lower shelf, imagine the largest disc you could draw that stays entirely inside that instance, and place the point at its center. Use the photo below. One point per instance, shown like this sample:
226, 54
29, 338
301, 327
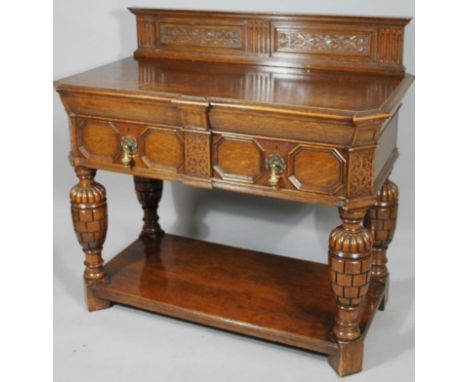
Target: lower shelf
271, 297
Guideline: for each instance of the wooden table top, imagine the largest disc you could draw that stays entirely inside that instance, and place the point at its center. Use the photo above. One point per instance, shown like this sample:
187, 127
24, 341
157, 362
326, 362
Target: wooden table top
291, 88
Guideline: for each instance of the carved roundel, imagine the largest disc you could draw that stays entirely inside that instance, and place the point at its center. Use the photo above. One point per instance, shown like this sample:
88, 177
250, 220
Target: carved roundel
98, 140
316, 169
161, 148
238, 159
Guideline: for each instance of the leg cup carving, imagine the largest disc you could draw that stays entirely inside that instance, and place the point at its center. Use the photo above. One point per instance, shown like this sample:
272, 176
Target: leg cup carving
350, 249
89, 213
149, 192
381, 221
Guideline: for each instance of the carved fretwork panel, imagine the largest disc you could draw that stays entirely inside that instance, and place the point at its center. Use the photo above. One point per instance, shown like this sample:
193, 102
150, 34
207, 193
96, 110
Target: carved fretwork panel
361, 171
197, 154
200, 36
308, 41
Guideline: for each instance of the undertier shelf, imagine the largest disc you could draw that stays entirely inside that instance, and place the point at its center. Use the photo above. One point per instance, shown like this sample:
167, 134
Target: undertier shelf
271, 297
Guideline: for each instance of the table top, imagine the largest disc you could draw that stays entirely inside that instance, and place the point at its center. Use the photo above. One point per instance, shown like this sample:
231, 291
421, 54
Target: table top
326, 91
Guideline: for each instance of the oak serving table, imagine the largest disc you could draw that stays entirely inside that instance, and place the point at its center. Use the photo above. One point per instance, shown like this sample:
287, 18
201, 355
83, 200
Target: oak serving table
295, 107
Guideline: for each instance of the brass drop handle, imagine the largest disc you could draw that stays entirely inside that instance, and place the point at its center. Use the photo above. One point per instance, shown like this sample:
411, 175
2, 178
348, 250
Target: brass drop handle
129, 147
276, 165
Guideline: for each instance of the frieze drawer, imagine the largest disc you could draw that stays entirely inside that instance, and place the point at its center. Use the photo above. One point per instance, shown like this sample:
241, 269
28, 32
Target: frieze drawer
303, 167
126, 145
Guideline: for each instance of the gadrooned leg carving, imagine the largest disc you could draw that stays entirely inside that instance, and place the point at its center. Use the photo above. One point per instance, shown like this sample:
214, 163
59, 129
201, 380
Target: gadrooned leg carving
381, 221
89, 213
350, 249
149, 192
349, 256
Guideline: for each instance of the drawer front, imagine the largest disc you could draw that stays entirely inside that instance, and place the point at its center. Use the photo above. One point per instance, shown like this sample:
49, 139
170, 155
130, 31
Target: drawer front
158, 148
307, 167
234, 161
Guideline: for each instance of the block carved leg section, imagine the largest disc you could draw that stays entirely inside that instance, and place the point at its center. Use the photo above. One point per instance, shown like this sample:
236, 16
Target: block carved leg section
89, 213
149, 192
381, 221
349, 256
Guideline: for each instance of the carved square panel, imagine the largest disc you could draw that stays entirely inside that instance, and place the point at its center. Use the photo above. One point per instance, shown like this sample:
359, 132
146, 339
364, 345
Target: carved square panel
238, 159
196, 36
161, 148
98, 140
317, 41
316, 169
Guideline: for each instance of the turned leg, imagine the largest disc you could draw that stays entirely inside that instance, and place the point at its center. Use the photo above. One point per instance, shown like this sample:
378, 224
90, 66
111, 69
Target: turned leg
381, 221
89, 213
149, 192
350, 247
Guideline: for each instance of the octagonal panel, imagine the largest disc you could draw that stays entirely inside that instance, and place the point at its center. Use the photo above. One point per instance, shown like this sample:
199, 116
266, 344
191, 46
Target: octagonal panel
316, 169
238, 159
98, 140
161, 147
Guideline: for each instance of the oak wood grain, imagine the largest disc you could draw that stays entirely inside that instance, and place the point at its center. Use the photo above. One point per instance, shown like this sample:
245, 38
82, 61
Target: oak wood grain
89, 215
288, 89
208, 99
239, 290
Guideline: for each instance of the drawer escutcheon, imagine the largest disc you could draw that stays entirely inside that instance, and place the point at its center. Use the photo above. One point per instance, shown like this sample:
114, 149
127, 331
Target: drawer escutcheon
129, 147
276, 165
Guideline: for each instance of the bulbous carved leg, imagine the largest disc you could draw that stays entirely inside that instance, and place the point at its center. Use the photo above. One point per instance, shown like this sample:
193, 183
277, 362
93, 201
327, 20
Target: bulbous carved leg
149, 192
381, 221
89, 213
350, 248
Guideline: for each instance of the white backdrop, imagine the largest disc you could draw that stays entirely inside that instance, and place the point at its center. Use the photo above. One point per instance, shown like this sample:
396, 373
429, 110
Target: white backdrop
90, 33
